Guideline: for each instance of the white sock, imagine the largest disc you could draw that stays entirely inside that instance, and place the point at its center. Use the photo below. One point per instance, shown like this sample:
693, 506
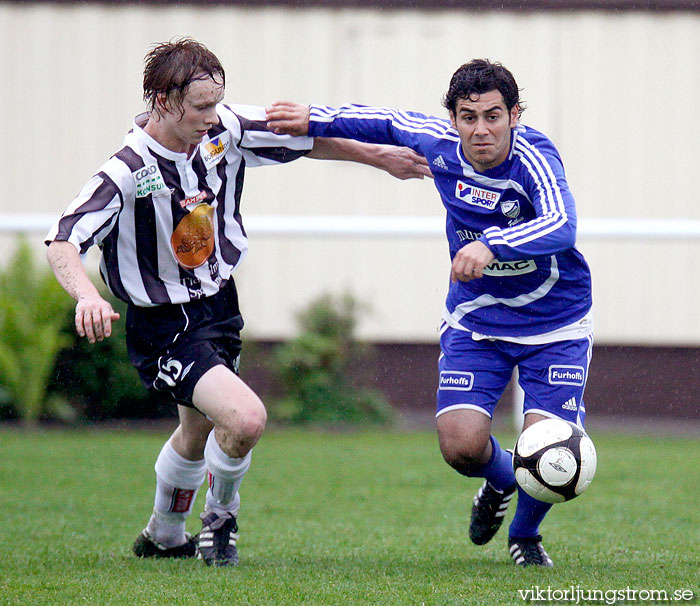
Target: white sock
225, 477
177, 483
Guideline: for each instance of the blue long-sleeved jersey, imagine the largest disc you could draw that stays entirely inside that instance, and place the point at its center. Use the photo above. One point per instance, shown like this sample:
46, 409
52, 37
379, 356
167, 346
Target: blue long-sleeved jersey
521, 209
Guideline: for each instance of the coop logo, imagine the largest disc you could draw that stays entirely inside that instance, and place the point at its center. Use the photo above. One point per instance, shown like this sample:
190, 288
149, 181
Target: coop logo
456, 381
510, 268
566, 375
214, 149
148, 181
483, 198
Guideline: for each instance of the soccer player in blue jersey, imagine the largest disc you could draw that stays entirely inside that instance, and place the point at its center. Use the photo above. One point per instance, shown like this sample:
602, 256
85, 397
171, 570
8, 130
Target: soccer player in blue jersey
520, 291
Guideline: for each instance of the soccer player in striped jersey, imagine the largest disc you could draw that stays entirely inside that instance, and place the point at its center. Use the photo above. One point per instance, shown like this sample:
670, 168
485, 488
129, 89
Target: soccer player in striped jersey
520, 291
165, 212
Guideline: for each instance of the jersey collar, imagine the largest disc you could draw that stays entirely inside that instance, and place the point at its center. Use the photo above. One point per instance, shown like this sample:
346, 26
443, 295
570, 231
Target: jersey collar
151, 143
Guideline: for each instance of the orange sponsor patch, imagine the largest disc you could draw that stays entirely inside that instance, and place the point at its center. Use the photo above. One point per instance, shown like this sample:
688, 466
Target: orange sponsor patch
193, 238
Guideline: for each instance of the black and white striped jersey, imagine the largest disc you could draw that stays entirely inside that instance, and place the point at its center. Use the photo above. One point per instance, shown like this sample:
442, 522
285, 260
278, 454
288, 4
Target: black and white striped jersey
169, 226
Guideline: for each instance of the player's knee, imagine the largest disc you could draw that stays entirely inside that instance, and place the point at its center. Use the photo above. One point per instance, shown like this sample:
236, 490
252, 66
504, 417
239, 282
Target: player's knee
464, 458
240, 430
253, 423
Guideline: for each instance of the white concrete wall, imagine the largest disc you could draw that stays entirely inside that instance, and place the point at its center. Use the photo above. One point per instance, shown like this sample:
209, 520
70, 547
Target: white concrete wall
615, 91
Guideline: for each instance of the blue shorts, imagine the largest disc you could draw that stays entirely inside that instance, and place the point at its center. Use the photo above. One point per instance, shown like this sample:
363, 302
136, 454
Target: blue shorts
474, 374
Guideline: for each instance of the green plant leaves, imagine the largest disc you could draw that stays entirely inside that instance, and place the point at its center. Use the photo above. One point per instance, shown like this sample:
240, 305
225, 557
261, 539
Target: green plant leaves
313, 370
33, 307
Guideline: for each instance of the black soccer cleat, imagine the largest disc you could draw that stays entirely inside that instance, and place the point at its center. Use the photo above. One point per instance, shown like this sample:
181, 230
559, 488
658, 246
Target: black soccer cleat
528, 551
488, 511
217, 540
146, 547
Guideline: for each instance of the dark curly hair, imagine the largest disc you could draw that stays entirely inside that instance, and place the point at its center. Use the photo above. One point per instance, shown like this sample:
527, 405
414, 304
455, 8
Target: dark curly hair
170, 67
481, 76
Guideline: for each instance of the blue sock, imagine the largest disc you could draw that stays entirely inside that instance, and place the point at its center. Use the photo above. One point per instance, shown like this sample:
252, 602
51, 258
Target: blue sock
499, 470
528, 516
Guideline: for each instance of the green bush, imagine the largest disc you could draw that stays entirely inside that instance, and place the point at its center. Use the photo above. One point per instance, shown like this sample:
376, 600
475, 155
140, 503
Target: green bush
33, 307
99, 380
313, 371
46, 370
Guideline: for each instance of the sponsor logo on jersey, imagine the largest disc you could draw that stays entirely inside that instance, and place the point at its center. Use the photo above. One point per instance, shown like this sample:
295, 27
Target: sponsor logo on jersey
440, 162
510, 208
148, 181
193, 286
214, 271
453, 380
194, 199
566, 375
213, 150
483, 198
510, 268
466, 234
193, 239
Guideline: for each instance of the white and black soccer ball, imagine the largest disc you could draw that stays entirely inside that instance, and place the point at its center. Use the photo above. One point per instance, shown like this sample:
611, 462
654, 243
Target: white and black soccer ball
554, 460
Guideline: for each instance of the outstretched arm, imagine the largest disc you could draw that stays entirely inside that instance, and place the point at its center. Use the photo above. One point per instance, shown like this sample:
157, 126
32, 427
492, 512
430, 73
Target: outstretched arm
289, 118
400, 162
93, 315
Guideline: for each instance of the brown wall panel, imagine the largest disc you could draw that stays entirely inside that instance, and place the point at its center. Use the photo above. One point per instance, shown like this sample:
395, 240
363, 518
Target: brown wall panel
638, 383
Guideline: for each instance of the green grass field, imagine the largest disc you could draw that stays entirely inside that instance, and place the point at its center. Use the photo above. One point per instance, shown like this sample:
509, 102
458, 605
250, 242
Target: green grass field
336, 518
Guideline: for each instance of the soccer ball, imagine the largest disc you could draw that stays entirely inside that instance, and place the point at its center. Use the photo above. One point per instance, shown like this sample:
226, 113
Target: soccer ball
554, 461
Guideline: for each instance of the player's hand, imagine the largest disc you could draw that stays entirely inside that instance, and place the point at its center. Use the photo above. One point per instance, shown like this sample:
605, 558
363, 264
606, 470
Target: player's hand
94, 317
470, 260
404, 163
288, 118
